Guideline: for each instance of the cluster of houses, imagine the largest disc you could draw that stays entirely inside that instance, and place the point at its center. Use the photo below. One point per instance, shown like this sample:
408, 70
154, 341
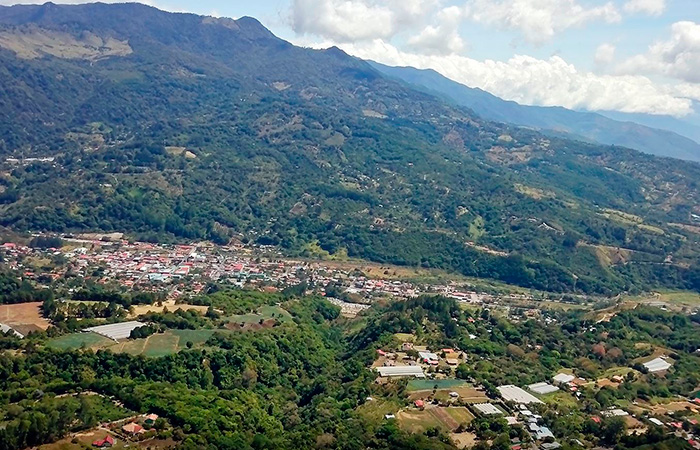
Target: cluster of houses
413, 361
130, 430
185, 270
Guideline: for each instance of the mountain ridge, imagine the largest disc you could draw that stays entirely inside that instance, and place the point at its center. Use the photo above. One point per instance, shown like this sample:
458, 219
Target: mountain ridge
590, 126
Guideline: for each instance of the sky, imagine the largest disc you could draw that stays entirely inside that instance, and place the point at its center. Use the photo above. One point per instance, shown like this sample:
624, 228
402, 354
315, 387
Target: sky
633, 56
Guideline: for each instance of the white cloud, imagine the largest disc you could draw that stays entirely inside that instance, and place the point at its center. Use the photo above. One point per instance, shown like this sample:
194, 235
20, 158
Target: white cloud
532, 81
342, 20
357, 20
677, 57
651, 7
538, 20
443, 38
604, 54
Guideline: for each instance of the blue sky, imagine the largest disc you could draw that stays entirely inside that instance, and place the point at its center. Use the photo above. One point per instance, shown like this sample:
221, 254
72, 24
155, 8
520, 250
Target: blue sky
635, 56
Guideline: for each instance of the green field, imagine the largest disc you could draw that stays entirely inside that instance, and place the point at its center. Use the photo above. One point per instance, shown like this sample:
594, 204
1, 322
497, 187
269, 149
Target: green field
79, 340
425, 385
197, 337
460, 414
263, 313
160, 344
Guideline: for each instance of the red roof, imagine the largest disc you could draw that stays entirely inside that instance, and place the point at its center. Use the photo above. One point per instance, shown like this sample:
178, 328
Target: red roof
596, 419
419, 403
102, 442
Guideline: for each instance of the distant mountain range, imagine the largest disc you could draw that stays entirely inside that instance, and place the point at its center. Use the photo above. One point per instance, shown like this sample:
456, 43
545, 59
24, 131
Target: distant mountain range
633, 131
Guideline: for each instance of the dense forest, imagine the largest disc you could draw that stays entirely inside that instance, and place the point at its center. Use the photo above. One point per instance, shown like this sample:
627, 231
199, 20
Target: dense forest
180, 136
304, 384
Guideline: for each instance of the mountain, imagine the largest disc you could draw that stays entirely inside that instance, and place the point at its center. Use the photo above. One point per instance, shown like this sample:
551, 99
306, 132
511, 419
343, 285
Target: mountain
589, 126
177, 126
688, 126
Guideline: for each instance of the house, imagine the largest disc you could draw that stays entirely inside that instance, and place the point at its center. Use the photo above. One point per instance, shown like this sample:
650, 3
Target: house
151, 419
108, 441
419, 404
563, 378
132, 428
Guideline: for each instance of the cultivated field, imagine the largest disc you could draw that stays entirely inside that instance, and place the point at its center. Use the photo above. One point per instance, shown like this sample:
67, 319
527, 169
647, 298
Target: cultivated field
420, 389
24, 317
447, 419
159, 344
170, 304
429, 385
80, 340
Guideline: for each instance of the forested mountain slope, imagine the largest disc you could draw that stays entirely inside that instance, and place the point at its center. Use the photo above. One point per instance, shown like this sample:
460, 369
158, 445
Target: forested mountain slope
181, 126
557, 120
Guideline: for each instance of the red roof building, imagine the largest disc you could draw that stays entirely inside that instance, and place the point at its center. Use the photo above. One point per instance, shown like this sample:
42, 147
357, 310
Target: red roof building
132, 428
108, 441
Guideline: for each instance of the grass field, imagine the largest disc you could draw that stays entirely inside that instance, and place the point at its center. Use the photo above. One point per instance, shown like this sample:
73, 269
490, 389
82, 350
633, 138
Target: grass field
446, 419
160, 344
460, 414
79, 340
429, 385
263, 313
415, 421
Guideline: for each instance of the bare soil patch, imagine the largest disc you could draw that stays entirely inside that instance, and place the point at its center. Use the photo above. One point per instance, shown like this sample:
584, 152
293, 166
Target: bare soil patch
24, 317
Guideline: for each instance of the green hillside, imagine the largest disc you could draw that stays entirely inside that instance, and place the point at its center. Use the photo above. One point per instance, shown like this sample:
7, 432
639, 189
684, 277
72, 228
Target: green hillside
177, 126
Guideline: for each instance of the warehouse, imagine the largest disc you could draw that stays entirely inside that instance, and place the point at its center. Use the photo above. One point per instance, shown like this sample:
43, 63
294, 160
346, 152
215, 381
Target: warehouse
542, 388
515, 394
116, 331
487, 409
401, 371
657, 365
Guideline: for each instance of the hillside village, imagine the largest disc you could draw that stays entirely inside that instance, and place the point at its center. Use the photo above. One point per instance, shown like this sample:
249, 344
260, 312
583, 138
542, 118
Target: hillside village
441, 397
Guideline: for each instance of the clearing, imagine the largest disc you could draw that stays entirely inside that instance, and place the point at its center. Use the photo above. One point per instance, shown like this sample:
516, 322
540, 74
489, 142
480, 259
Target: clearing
24, 317
170, 304
444, 418
159, 344
79, 340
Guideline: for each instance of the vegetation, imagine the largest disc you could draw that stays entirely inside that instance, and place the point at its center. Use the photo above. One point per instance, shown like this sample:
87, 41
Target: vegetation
343, 161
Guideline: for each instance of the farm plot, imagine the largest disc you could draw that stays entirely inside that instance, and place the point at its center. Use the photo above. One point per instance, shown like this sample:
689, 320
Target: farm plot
161, 345
79, 340
23, 317
461, 415
447, 419
170, 305
264, 317
429, 385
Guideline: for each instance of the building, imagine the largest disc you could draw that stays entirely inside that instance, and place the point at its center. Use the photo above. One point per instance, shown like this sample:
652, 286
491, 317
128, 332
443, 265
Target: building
116, 331
515, 394
657, 365
401, 371
487, 409
132, 428
542, 388
7, 328
428, 357
107, 442
151, 419
563, 378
